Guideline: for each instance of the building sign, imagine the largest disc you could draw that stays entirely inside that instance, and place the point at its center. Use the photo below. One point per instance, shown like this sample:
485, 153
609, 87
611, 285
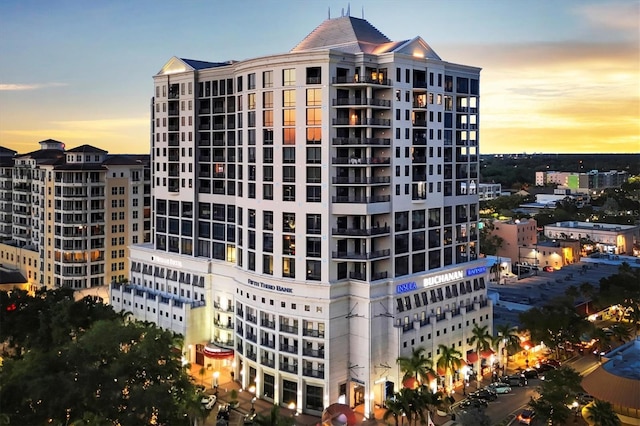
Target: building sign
443, 278
167, 261
476, 271
405, 287
272, 287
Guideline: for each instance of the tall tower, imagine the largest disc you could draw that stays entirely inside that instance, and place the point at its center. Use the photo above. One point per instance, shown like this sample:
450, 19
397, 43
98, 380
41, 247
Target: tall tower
315, 214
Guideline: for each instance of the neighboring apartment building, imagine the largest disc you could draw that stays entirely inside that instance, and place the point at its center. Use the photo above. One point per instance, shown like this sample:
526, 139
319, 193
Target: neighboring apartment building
583, 182
489, 191
312, 216
603, 237
517, 236
74, 213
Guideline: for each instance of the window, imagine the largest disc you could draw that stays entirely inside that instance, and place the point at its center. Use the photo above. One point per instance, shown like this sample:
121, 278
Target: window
251, 101
267, 79
251, 81
314, 175
267, 118
314, 155
314, 247
288, 98
267, 100
314, 117
289, 77
313, 270
289, 117
314, 194
288, 193
289, 136
288, 267
288, 173
314, 97
288, 155
314, 135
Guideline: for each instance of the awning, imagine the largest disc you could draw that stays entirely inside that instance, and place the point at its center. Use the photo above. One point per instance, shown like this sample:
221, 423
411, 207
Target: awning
526, 344
487, 353
472, 357
410, 383
214, 351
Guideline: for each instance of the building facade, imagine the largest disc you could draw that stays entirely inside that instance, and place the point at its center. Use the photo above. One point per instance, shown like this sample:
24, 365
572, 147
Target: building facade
517, 236
73, 214
583, 182
602, 237
312, 214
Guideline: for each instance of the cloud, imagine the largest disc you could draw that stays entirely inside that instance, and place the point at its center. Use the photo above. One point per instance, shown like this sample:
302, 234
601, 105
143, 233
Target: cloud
20, 87
612, 15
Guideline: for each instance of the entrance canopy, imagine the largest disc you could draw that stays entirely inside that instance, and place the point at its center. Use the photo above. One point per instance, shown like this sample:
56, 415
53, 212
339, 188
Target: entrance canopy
212, 350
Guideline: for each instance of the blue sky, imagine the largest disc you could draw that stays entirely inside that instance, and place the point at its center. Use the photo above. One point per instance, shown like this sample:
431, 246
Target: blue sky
558, 76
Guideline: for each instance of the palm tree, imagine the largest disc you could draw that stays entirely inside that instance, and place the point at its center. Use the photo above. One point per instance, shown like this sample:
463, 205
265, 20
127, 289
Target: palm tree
621, 332
395, 409
450, 360
507, 337
481, 339
416, 366
601, 414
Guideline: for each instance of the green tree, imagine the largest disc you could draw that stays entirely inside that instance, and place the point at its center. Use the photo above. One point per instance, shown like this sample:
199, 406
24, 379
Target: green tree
621, 332
601, 414
394, 409
506, 341
557, 392
450, 361
481, 341
274, 418
103, 372
416, 366
489, 243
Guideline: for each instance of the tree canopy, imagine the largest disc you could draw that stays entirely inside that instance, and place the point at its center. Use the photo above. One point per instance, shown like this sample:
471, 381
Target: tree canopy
79, 362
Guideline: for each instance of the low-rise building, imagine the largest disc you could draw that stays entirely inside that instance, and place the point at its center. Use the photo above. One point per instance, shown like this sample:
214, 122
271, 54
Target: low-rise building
603, 237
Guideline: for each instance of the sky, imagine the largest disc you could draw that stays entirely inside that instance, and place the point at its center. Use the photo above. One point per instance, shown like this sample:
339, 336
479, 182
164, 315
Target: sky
557, 76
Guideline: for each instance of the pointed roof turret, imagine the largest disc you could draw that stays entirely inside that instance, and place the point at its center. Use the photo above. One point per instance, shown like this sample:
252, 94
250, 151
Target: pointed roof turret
346, 33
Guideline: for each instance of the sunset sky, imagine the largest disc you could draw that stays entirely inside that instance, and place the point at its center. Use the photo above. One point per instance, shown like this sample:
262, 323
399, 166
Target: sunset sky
557, 76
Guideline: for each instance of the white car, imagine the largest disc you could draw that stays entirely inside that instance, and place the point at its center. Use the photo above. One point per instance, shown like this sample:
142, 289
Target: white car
209, 401
500, 387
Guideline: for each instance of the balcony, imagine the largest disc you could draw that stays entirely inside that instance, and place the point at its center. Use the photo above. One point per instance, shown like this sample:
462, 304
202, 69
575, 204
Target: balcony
361, 141
357, 232
360, 79
252, 318
288, 348
360, 161
289, 367
360, 256
268, 324
267, 362
353, 101
361, 180
309, 372
251, 337
361, 200
252, 356
310, 332
289, 329
316, 353
346, 121
268, 343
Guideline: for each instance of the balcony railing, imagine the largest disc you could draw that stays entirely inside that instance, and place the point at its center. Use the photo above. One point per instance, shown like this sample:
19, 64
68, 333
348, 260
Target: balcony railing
361, 200
267, 362
361, 180
268, 343
313, 373
376, 230
289, 367
361, 141
310, 332
288, 328
356, 160
288, 348
360, 256
316, 353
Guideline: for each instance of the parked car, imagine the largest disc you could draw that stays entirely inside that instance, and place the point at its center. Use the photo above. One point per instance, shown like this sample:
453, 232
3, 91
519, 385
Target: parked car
209, 401
548, 268
224, 412
530, 373
500, 387
486, 394
544, 367
584, 398
526, 416
474, 402
514, 380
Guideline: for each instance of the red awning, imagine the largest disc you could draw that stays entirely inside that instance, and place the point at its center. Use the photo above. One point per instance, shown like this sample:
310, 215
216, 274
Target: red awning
487, 353
472, 357
410, 383
214, 351
441, 371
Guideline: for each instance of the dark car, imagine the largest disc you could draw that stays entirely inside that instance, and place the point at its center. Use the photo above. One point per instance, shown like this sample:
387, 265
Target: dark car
486, 394
530, 373
514, 380
543, 368
474, 402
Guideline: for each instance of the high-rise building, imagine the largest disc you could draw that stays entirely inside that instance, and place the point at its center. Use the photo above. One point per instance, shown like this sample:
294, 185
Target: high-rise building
72, 214
311, 214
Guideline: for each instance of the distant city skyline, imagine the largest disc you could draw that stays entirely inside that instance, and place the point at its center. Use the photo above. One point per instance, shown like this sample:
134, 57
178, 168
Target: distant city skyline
557, 77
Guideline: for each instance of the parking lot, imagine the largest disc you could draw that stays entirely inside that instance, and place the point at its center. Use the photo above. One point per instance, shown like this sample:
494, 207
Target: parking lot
540, 287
